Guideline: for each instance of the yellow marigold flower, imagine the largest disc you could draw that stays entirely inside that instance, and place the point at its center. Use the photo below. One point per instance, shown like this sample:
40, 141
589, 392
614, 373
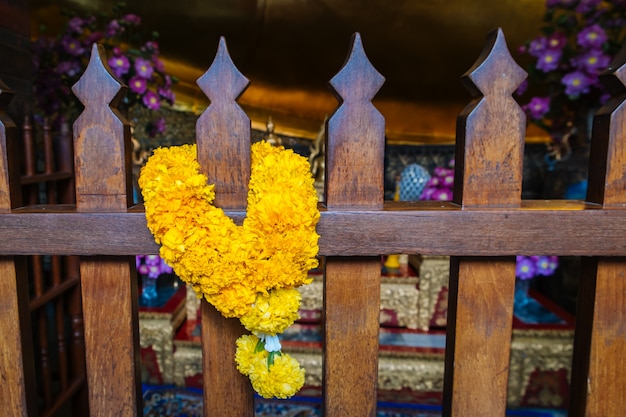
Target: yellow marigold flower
246, 353
282, 379
273, 313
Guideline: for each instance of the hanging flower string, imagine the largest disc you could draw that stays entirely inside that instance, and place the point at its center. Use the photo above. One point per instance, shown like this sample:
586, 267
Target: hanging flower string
251, 271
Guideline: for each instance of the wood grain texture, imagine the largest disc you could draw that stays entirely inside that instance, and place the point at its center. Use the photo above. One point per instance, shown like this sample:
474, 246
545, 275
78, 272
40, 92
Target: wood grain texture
10, 190
109, 285
17, 370
18, 389
547, 227
351, 306
223, 132
223, 140
598, 383
478, 336
111, 328
354, 149
490, 141
354, 179
102, 146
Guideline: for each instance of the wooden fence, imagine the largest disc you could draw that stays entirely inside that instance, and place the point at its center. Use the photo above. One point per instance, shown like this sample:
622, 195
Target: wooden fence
482, 229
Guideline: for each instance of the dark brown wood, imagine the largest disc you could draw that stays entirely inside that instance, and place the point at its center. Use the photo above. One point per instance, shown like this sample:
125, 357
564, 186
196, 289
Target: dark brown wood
80, 405
351, 325
109, 285
17, 369
59, 383
483, 230
354, 179
223, 132
354, 149
547, 227
223, 140
490, 142
598, 382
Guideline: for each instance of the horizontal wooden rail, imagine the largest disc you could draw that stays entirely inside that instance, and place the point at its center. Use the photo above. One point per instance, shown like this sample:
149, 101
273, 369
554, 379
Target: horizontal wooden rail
538, 227
49, 177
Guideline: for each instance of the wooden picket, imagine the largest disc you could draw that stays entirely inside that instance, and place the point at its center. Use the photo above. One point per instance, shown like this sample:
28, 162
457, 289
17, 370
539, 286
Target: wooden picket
482, 229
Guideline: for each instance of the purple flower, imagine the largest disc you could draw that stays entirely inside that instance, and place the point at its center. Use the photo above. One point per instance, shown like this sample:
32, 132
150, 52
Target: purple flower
137, 85
143, 269
72, 46
556, 41
546, 265
153, 259
165, 268
75, 25
160, 124
154, 271
537, 47
537, 107
592, 36
143, 67
167, 94
427, 193
576, 83
593, 62
119, 65
441, 172
441, 194
113, 29
525, 267
433, 182
549, 60
151, 100
132, 19
158, 64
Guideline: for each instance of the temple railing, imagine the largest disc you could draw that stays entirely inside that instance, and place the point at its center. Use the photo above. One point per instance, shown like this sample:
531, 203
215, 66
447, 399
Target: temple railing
483, 229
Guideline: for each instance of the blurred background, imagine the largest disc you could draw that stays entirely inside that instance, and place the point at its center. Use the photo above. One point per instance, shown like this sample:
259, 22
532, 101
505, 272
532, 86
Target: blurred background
290, 49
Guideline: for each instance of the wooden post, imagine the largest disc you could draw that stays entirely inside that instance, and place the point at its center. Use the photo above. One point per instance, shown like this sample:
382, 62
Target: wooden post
599, 365
17, 366
223, 140
488, 173
354, 180
109, 284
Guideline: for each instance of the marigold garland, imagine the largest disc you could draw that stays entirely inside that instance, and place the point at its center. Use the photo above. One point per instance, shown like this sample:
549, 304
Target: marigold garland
251, 271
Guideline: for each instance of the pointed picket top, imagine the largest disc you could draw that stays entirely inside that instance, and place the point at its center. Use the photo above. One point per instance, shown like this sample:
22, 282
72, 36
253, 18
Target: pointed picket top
495, 72
607, 176
223, 80
355, 128
98, 77
357, 67
223, 131
101, 140
491, 131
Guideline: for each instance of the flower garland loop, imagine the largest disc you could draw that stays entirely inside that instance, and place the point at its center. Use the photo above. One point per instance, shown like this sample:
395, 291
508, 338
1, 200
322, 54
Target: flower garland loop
251, 271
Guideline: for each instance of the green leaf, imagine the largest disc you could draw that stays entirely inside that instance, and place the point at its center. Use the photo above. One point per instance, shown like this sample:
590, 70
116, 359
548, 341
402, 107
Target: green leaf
260, 345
